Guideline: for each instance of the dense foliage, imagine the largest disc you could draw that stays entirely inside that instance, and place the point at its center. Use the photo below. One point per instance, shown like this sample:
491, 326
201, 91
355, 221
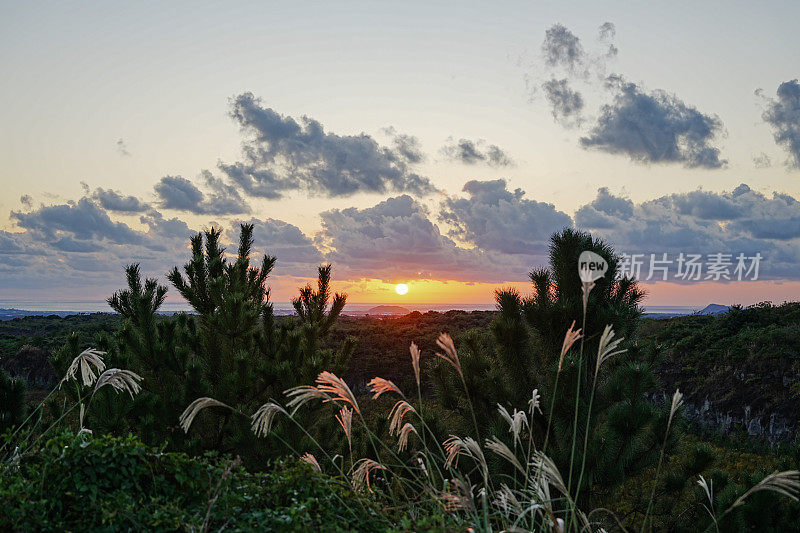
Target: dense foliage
744, 359
82, 483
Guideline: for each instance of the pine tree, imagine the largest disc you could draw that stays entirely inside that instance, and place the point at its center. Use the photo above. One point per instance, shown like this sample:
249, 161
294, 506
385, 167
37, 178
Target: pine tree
233, 349
521, 353
12, 401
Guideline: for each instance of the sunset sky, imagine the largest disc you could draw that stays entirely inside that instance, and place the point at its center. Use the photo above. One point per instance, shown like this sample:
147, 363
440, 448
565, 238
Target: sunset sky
433, 144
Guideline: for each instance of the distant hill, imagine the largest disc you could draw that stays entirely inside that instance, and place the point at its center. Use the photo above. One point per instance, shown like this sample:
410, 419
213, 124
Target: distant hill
393, 310
714, 309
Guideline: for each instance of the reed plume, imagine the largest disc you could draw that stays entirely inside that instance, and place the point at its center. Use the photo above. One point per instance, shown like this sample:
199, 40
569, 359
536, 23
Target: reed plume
264, 417
362, 470
415, 356
445, 342
189, 414
85, 361
120, 380
570, 337
378, 386
310, 459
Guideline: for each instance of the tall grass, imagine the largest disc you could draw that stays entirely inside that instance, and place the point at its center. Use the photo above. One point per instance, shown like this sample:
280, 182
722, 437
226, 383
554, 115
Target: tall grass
492, 480
456, 475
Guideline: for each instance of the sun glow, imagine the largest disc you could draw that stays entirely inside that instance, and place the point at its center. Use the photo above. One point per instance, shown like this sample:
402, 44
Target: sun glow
401, 289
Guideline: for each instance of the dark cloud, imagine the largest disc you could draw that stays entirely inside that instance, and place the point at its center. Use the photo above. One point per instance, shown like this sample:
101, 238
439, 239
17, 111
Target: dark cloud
566, 103
284, 154
17, 244
783, 114
122, 148
649, 127
406, 146
84, 220
741, 221
26, 200
176, 192
498, 220
655, 128
562, 48
294, 249
114, 201
395, 239
474, 152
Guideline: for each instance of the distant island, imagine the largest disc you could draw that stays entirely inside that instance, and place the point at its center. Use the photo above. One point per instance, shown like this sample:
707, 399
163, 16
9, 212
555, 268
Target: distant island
387, 310
714, 309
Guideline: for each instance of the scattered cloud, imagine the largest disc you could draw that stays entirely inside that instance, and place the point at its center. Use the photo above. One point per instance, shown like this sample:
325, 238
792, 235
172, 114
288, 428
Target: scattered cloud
494, 219
122, 148
407, 146
762, 160
606, 31
740, 221
114, 201
176, 192
474, 152
783, 114
566, 103
562, 48
655, 127
284, 154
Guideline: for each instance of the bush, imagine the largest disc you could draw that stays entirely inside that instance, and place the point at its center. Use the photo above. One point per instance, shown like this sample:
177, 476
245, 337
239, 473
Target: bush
80, 482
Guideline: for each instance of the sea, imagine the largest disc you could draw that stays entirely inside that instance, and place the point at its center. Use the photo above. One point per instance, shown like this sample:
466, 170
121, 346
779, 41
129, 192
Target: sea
20, 308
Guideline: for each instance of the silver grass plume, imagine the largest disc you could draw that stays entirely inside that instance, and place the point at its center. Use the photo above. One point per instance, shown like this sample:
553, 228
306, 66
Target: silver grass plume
263, 419
84, 361
378, 386
120, 380
415, 355
445, 342
195, 407
501, 449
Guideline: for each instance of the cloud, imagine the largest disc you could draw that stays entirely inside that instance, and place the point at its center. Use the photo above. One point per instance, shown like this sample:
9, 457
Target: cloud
566, 103
740, 221
762, 160
655, 128
783, 114
649, 127
114, 201
284, 154
122, 148
395, 239
407, 146
295, 251
84, 220
606, 31
176, 192
474, 152
498, 220
562, 48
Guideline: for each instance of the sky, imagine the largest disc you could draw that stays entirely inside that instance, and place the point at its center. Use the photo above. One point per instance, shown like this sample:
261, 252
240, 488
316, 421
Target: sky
425, 143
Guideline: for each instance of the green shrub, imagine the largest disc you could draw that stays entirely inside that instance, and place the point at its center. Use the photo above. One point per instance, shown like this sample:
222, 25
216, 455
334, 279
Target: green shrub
80, 482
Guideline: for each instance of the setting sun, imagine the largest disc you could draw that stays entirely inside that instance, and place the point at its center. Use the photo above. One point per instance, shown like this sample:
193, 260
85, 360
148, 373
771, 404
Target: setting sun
401, 289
